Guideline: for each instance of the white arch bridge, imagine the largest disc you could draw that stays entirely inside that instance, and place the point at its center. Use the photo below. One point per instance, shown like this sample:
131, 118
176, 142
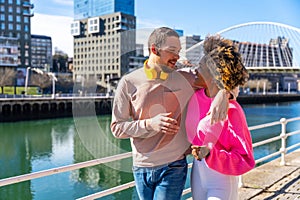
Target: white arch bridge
266, 47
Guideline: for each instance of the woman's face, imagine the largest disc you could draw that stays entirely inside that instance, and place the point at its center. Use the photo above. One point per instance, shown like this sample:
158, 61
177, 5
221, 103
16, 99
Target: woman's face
203, 75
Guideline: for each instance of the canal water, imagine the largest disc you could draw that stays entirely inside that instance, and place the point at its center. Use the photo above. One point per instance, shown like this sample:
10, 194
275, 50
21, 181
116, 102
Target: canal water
31, 146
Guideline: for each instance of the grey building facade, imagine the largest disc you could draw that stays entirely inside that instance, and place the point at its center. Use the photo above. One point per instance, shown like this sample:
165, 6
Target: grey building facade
41, 52
103, 44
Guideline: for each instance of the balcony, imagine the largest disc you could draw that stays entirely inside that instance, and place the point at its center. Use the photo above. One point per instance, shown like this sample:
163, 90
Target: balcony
28, 14
28, 5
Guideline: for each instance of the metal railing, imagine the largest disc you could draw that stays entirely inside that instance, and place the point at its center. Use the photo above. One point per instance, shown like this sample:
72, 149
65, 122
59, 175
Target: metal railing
282, 151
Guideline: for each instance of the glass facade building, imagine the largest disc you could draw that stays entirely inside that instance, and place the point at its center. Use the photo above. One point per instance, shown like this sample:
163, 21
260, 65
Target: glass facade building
93, 8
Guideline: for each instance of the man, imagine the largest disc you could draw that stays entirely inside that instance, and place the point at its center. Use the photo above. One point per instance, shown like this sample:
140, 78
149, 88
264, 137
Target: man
148, 108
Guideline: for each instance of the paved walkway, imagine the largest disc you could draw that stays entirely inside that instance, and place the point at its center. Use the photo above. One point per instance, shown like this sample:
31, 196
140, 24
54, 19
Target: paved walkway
272, 181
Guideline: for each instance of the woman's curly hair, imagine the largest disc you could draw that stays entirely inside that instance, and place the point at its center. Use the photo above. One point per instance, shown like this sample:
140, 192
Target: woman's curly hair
227, 68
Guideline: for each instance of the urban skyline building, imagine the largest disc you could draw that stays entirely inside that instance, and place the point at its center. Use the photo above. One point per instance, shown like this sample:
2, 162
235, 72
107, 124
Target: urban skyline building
93, 8
15, 35
104, 43
41, 52
190, 50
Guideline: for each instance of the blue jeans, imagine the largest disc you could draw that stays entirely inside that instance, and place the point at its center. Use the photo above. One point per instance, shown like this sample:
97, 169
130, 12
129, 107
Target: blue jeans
161, 183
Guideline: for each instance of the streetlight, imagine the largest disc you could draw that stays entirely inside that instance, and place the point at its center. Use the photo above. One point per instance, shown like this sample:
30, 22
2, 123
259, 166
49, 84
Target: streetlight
26, 79
108, 86
39, 71
53, 78
27, 76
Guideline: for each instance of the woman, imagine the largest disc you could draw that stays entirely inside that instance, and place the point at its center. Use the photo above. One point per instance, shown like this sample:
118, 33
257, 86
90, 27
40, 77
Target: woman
222, 151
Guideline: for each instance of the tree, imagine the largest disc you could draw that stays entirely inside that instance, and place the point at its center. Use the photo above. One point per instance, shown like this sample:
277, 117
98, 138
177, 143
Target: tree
64, 82
41, 80
60, 62
7, 77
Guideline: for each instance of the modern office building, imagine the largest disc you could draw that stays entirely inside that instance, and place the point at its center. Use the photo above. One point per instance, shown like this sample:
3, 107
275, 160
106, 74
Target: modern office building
190, 49
15, 30
180, 32
41, 52
93, 8
104, 43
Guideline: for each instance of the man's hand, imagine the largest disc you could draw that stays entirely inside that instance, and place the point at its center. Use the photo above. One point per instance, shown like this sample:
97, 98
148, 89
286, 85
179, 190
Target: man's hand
162, 123
219, 107
200, 152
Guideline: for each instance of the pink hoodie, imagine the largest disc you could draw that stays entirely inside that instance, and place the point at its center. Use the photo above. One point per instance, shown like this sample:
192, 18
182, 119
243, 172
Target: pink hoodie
232, 151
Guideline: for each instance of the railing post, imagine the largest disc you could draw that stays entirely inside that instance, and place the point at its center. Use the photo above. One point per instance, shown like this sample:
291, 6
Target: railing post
283, 122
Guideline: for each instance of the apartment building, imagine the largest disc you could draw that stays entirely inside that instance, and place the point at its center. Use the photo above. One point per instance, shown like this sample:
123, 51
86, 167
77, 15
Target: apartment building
104, 40
15, 40
41, 52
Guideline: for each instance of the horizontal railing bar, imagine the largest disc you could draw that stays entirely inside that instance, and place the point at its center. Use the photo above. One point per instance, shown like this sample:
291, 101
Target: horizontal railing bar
293, 133
66, 168
251, 128
293, 146
293, 119
267, 157
109, 191
266, 141
122, 187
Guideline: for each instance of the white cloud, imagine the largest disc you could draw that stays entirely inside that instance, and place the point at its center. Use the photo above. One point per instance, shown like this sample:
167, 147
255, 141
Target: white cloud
57, 27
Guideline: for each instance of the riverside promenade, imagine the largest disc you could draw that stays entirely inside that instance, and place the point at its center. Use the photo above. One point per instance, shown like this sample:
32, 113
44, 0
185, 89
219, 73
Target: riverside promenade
273, 181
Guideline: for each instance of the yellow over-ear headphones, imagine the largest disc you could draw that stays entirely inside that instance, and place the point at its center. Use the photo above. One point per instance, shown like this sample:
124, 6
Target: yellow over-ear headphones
151, 73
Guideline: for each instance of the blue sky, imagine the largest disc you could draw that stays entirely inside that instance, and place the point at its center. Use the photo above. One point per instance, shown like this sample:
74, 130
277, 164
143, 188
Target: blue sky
195, 17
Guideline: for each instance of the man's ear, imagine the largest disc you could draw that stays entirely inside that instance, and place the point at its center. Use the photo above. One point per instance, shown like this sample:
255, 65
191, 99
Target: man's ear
154, 50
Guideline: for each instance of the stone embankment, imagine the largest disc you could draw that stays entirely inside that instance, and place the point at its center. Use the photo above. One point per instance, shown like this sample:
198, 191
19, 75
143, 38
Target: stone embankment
267, 98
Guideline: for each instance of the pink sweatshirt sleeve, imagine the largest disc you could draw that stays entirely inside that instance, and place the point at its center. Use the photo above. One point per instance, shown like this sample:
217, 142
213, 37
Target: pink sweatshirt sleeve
232, 153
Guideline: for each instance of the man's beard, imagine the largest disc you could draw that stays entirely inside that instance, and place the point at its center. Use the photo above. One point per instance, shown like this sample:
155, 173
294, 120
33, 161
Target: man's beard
167, 69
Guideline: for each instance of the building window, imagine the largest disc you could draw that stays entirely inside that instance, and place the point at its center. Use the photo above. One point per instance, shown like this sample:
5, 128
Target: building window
10, 27
18, 10
10, 18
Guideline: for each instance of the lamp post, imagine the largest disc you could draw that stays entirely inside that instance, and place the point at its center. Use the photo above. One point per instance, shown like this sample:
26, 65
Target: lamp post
39, 71
53, 78
108, 86
26, 79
